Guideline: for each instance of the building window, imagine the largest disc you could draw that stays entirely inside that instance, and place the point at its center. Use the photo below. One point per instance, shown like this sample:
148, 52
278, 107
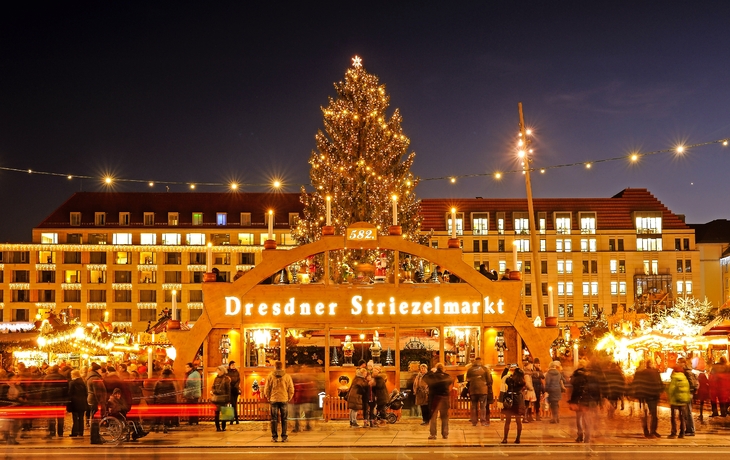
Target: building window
561, 310
172, 277
586, 310
221, 218
680, 287
147, 295
173, 219
476, 246
71, 295
594, 266
147, 239
688, 287
480, 223
246, 239
97, 295
245, 219
528, 289
122, 296
293, 219
171, 239
149, 219
686, 244
613, 266
570, 310
172, 258
122, 238
543, 245
500, 246
459, 223
502, 266
21, 315
75, 219
622, 287
562, 223
649, 224
588, 223
569, 288
565, 245
500, 223
614, 287
688, 266
679, 266
561, 288
147, 314
528, 310
528, 267
96, 315
543, 266
99, 219
124, 219
648, 244
195, 239
49, 238
123, 315
544, 289
73, 238
620, 242
561, 267
612, 244
197, 218
558, 245
622, 266
586, 288
594, 287
95, 257
98, 238
122, 258
522, 223
677, 244
122, 276
542, 222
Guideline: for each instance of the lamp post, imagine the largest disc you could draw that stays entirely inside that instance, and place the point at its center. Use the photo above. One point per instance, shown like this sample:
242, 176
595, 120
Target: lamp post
534, 239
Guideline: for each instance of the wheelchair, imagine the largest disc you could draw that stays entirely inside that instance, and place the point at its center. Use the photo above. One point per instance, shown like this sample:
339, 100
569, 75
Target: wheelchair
115, 429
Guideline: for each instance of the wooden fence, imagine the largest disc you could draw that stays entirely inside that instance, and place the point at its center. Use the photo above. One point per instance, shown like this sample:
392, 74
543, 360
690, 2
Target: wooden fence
336, 408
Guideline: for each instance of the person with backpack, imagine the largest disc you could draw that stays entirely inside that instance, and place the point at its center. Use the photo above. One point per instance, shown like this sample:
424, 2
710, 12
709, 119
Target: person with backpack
694, 386
511, 398
679, 396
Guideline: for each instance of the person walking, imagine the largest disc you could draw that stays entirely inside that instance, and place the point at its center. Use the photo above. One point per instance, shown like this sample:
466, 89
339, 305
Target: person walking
679, 395
192, 391
96, 399
380, 390
554, 387
420, 391
279, 390
694, 386
703, 394
585, 399
235, 389
511, 397
529, 393
439, 389
480, 388
538, 384
55, 393
719, 388
220, 395
165, 393
356, 395
615, 387
78, 395
647, 387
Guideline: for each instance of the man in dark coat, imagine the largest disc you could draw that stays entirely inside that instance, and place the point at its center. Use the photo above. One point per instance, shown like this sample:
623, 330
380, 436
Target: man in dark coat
235, 389
480, 388
55, 393
439, 388
647, 387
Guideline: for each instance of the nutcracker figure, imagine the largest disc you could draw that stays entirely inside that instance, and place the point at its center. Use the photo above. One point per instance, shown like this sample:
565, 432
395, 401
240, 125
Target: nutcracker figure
348, 348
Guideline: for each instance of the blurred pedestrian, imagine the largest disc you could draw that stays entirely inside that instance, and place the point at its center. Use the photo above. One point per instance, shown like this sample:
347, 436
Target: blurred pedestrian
420, 391
356, 395
193, 391
554, 387
694, 386
538, 384
703, 394
305, 395
679, 395
585, 399
235, 389
480, 388
647, 387
220, 395
719, 388
615, 387
439, 390
55, 393
165, 394
529, 394
77, 394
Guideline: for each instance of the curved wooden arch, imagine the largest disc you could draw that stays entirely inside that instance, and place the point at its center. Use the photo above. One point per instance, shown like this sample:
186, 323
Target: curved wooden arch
538, 340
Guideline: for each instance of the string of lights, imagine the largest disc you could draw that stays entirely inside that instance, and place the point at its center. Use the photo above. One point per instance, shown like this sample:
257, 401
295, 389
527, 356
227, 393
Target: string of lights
276, 184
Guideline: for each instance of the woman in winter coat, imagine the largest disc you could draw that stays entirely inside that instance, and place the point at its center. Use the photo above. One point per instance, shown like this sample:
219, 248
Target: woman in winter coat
585, 399
511, 392
355, 397
530, 395
679, 395
220, 395
554, 386
420, 390
703, 393
78, 404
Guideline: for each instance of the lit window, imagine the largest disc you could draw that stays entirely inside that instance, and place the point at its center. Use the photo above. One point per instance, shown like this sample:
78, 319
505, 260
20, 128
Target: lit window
122, 238
622, 287
562, 223
614, 287
569, 288
583, 245
648, 224
542, 222
543, 245
522, 223
500, 223
613, 265
147, 238
561, 288
221, 218
588, 224
561, 267
680, 287
594, 287
245, 219
558, 245
480, 224
197, 218
648, 244
586, 288
568, 266
173, 219
195, 239
49, 238
171, 238
592, 247
688, 287
265, 236
523, 245
568, 245
459, 224
245, 239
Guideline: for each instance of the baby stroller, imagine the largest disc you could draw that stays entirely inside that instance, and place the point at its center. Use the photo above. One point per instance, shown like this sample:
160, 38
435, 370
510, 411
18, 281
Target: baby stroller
395, 403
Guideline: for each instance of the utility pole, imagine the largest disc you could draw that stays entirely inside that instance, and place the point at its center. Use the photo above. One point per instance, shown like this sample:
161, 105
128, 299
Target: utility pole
534, 237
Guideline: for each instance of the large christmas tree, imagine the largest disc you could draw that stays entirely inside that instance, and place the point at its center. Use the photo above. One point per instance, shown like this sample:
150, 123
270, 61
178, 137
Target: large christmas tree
361, 162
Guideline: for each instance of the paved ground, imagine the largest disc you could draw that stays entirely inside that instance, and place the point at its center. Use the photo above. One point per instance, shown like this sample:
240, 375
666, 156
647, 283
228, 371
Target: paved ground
623, 430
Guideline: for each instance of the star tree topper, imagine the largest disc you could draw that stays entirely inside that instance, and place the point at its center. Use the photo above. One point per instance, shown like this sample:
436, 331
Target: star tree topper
357, 62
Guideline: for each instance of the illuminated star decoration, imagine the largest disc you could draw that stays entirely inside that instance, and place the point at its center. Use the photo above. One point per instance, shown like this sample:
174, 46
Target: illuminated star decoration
357, 62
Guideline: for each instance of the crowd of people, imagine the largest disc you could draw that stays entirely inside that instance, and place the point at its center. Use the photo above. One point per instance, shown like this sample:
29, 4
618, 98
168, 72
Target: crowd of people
88, 394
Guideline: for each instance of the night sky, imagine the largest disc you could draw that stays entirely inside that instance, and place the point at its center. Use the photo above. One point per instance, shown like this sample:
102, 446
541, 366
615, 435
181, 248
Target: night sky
215, 92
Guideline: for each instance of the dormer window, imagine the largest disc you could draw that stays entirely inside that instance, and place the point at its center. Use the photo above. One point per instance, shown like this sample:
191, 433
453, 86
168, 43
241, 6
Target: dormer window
562, 223
124, 219
588, 223
173, 219
480, 223
99, 219
149, 219
648, 222
75, 219
221, 218
459, 223
197, 218
522, 223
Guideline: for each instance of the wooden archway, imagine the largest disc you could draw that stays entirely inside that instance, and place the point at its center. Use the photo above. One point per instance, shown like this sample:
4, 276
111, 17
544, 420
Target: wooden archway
248, 287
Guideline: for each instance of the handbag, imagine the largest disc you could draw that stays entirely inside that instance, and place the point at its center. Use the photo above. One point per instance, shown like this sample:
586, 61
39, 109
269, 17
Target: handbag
508, 400
226, 414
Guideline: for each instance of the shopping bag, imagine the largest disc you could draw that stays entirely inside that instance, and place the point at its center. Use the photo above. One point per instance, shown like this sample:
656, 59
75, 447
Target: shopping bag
226, 413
